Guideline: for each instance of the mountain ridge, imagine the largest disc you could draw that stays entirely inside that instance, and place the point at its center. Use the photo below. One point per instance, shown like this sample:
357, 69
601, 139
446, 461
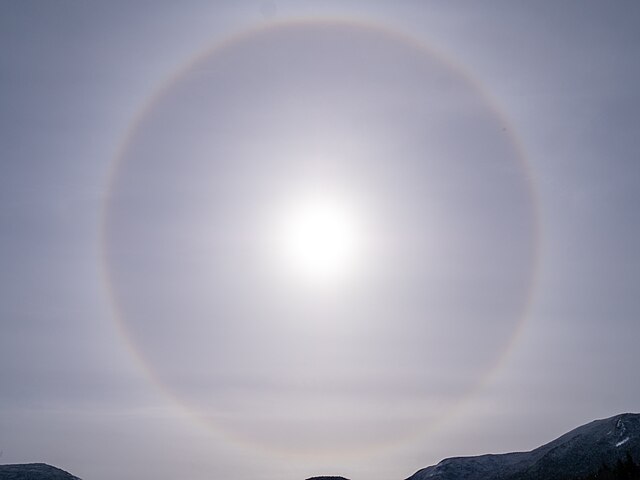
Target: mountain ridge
33, 471
579, 453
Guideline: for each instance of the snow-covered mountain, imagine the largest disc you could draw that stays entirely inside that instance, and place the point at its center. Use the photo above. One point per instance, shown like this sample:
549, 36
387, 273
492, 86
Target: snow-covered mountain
601, 445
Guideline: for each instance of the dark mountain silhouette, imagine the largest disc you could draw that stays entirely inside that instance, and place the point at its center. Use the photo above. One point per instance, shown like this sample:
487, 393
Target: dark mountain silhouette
327, 478
603, 449
33, 471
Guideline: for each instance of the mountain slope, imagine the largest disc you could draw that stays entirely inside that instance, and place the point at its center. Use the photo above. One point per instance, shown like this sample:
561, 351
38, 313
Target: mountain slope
33, 471
578, 453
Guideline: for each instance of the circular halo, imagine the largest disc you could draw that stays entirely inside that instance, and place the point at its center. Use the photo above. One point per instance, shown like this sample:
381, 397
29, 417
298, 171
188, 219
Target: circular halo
147, 230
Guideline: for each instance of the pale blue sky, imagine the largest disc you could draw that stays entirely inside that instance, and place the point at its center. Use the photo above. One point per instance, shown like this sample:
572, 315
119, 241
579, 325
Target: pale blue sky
74, 77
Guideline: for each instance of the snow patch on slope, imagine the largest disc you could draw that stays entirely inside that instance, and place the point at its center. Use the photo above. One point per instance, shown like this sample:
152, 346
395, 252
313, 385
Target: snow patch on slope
622, 442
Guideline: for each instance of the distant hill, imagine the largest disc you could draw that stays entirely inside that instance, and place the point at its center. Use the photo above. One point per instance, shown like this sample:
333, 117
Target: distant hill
327, 478
33, 471
606, 449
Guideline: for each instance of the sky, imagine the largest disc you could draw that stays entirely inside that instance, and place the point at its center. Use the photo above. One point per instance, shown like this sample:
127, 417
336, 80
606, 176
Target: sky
272, 240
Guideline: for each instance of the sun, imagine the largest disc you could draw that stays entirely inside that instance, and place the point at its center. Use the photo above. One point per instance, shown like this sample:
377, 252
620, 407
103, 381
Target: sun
320, 239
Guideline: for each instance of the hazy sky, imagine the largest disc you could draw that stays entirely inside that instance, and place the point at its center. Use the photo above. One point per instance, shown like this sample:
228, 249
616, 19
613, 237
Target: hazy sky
271, 240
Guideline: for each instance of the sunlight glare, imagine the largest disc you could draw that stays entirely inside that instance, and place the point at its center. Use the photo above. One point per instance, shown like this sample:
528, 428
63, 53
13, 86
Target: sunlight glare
320, 240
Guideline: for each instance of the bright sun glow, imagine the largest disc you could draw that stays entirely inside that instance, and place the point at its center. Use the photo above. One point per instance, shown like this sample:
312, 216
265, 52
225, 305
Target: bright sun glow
320, 240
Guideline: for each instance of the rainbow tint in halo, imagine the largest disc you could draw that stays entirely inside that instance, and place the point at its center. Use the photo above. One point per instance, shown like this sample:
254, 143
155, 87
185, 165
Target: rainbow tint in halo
187, 294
